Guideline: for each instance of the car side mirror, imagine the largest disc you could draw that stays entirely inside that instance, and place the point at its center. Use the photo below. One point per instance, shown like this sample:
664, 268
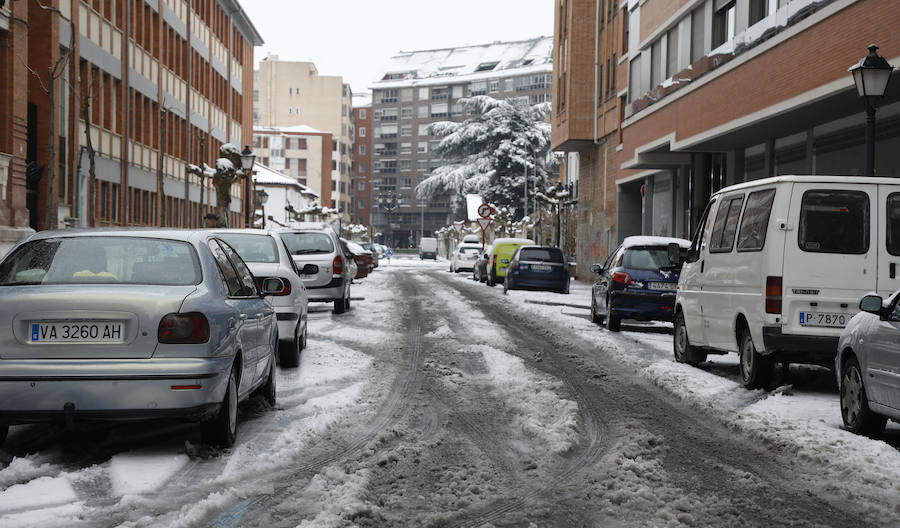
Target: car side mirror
272, 285
310, 269
597, 268
873, 304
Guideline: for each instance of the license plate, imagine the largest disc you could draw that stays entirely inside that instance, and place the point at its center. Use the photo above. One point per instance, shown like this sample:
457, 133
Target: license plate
665, 286
833, 320
78, 332
541, 267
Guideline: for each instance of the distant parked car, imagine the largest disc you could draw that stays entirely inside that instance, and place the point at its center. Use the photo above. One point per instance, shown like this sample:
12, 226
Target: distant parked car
428, 248
118, 324
376, 253
362, 257
867, 365
537, 268
464, 258
501, 253
317, 243
267, 256
637, 282
479, 272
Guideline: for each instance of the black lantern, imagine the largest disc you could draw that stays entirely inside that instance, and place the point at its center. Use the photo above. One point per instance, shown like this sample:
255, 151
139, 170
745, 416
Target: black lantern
871, 76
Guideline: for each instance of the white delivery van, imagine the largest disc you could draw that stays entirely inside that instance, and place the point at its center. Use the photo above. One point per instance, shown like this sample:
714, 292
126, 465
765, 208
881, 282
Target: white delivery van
777, 267
428, 248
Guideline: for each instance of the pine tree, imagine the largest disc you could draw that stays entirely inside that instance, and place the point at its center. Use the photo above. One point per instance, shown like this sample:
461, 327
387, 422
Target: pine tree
490, 152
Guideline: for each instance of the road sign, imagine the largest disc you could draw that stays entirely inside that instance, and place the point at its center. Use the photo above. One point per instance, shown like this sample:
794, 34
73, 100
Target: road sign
389, 253
484, 223
457, 228
485, 210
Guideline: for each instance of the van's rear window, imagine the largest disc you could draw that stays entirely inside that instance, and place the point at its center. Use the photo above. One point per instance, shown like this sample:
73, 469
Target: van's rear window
834, 221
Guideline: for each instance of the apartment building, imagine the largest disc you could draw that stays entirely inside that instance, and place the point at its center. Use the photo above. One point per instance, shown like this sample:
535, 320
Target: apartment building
290, 94
418, 88
585, 124
725, 91
362, 164
155, 84
302, 153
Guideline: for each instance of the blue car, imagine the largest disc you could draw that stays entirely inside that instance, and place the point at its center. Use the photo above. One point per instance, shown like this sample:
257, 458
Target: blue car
636, 282
537, 268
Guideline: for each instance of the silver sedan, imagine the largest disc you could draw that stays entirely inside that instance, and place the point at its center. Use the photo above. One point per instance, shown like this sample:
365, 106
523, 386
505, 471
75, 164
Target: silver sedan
132, 324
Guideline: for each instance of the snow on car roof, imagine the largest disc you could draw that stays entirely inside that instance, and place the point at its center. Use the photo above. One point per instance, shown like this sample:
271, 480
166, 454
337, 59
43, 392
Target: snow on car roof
513, 241
634, 241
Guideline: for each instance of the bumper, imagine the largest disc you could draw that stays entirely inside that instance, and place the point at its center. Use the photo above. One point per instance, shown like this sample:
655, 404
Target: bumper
39, 390
428, 254
533, 283
328, 292
815, 350
643, 306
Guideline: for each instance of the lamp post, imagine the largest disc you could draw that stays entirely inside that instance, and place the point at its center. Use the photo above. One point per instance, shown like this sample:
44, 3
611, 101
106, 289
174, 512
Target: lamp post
871, 76
261, 197
247, 160
388, 202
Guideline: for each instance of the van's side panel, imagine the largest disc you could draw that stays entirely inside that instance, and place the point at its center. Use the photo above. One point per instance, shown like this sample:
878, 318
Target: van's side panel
888, 240
690, 286
721, 290
769, 262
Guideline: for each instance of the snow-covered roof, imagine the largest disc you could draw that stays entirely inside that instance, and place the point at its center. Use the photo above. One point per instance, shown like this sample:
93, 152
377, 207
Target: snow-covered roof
265, 176
439, 66
635, 241
361, 99
304, 129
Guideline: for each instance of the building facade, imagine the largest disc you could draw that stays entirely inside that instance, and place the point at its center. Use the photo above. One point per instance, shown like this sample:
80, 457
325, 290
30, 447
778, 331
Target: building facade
149, 87
362, 165
725, 92
422, 87
301, 153
586, 124
292, 94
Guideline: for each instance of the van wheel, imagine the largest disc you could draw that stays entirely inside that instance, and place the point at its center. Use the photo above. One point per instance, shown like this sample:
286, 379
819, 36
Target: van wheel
595, 317
756, 369
858, 418
685, 352
221, 430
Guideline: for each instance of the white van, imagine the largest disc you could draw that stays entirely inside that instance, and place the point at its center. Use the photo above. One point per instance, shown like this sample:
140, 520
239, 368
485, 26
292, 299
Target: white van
428, 248
777, 267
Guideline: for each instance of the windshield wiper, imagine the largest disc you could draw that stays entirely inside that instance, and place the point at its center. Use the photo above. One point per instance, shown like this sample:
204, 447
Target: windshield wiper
308, 251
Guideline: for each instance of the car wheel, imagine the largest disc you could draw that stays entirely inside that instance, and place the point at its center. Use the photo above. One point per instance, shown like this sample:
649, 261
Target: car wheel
595, 317
289, 353
347, 300
506, 285
221, 430
4, 430
305, 336
613, 322
685, 352
756, 369
267, 391
858, 418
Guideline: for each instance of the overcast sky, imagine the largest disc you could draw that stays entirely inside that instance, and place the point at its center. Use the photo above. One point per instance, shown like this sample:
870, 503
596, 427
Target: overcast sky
356, 38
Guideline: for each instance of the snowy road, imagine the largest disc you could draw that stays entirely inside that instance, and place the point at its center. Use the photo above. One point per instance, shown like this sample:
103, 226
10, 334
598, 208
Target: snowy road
437, 401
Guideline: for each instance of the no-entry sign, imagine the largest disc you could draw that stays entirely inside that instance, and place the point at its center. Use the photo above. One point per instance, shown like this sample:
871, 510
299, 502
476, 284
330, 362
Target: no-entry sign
484, 210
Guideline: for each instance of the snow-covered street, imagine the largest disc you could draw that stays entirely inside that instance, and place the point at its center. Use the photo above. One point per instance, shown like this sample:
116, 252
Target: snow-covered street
438, 401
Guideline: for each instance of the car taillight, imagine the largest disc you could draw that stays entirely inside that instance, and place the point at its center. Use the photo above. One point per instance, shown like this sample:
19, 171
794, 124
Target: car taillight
337, 266
286, 290
773, 295
621, 276
183, 328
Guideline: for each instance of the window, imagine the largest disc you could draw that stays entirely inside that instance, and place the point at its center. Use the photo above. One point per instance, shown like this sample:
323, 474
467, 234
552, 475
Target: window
423, 93
406, 95
672, 52
655, 63
362, 113
362, 149
423, 148
389, 131
477, 88
456, 109
405, 165
389, 114
893, 224
634, 80
248, 285
697, 26
440, 93
344, 110
760, 9
290, 91
507, 85
406, 112
422, 111
539, 81
698, 242
722, 239
723, 24
389, 96
362, 131
406, 148
361, 168
360, 204
405, 130
834, 221
439, 110
458, 91
755, 223
495, 86
423, 130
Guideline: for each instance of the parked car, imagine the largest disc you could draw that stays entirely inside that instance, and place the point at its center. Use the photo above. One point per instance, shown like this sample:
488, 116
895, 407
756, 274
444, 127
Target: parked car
868, 364
777, 265
317, 243
130, 325
479, 272
501, 253
637, 281
362, 258
268, 257
471, 240
428, 248
464, 257
537, 268
376, 253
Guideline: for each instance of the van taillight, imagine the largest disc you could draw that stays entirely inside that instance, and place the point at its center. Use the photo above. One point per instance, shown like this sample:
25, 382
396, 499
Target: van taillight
183, 328
622, 277
337, 266
773, 295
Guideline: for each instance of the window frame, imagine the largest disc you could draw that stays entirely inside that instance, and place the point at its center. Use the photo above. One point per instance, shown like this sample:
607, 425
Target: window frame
765, 229
730, 200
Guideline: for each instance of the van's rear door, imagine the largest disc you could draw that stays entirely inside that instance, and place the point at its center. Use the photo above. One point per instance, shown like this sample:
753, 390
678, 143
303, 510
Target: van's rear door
888, 239
830, 256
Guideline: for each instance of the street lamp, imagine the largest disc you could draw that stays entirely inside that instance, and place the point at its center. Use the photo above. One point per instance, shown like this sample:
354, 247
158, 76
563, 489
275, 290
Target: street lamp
261, 197
247, 159
388, 202
871, 76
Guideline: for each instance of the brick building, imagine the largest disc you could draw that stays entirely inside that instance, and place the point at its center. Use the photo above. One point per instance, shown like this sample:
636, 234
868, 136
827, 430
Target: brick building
157, 85
361, 180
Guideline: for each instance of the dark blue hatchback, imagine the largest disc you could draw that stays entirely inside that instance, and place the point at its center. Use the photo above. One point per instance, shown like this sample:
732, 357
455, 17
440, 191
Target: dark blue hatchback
636, 282
537, 268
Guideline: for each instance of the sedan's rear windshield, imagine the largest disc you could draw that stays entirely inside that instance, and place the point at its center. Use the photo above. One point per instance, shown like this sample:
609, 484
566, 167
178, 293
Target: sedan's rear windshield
541, 255
105, 260
252, 248
308, 243
649, 258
